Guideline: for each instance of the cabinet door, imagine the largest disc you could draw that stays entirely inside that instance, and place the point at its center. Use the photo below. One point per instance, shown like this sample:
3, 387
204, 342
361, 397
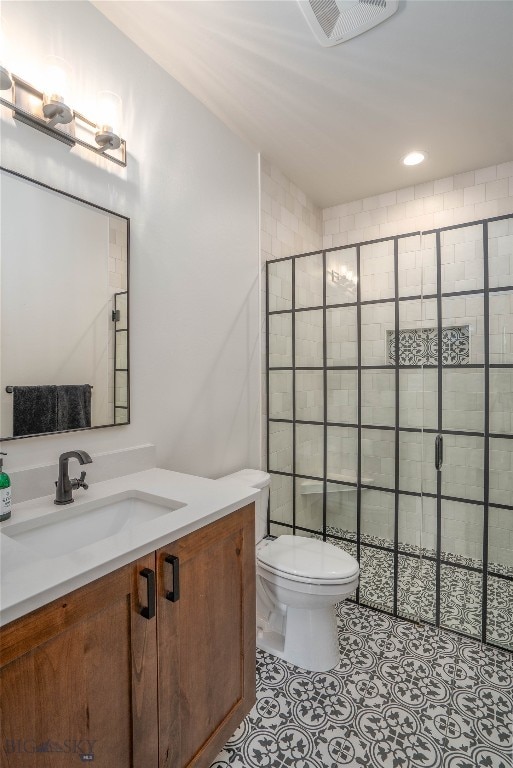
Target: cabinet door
206, 639
78, 678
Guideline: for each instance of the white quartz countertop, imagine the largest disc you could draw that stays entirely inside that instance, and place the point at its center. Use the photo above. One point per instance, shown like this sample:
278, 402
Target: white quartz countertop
30, 579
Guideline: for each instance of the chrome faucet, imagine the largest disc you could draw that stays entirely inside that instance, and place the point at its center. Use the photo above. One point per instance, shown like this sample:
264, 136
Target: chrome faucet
65, 486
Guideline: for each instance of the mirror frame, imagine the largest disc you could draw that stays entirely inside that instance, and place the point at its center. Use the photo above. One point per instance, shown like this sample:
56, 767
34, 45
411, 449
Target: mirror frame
3, 169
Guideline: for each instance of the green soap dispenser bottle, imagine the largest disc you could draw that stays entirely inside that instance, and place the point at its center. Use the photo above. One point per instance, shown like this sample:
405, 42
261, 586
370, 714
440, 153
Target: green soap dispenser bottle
5, 491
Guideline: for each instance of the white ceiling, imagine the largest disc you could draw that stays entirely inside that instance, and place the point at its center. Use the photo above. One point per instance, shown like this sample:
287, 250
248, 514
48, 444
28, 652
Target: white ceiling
438, 75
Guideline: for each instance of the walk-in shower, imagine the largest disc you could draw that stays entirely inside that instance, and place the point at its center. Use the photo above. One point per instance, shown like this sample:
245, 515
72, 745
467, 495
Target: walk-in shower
390, 417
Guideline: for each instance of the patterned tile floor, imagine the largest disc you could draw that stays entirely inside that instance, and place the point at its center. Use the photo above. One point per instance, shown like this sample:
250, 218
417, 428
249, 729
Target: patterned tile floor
402, 696
460, 589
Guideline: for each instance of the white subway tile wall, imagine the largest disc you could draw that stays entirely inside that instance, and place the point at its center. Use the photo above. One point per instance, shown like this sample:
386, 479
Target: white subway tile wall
341, 276
309, 281
309, 396
418, 402
378, 452
377, 271
342, 391
377, 319
463, 473
378, 397
309, 450
280, 394
454, 200
417, 265
290, 223
377, 514
501, 327
341, 508
341, 336
280, 286
462, 260
309, 506
417, 522
309, 334
501, 400
342, 454
501, 536
463, 399
280, 340
281, 499
501, 471
500, 253
280, 446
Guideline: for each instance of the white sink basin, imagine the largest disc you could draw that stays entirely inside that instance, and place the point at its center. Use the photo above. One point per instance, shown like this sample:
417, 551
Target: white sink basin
71, 528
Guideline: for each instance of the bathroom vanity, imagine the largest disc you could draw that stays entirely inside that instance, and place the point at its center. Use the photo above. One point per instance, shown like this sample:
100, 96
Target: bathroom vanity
150, 662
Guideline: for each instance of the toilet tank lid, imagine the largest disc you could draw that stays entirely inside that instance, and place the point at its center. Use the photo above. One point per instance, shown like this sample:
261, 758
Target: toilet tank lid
313, 558
255, 478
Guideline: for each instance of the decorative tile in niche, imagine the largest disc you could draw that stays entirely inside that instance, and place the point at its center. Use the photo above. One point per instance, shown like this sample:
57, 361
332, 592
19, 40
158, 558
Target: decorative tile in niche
419, 346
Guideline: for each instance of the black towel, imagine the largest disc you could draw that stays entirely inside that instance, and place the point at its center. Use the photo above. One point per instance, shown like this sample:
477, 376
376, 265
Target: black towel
34, 410
73, 406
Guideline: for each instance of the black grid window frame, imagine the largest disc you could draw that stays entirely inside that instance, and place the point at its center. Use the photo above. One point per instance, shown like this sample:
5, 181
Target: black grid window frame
394, 487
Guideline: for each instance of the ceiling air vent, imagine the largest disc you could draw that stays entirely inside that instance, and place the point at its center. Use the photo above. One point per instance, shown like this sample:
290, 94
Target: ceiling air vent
335, 21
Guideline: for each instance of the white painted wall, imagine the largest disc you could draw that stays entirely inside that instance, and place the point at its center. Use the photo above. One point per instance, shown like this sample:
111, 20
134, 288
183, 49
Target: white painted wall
55, 319
191, 191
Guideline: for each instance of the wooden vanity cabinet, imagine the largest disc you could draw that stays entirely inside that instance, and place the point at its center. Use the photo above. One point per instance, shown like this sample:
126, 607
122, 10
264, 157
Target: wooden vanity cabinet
90, 674
78, 675
206, 639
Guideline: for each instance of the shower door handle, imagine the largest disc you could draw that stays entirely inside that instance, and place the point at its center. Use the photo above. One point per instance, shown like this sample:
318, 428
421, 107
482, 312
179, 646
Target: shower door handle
439, 452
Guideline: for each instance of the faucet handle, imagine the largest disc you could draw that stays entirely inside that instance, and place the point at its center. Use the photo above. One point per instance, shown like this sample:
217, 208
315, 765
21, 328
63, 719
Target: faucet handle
79, 482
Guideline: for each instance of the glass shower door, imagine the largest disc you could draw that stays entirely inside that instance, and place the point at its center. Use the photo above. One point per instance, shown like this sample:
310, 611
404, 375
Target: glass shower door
417, 422
461, 520
499, 576
390, 432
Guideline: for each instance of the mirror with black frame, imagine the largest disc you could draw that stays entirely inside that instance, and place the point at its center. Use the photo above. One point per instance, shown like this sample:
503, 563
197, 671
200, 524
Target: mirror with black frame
64, 270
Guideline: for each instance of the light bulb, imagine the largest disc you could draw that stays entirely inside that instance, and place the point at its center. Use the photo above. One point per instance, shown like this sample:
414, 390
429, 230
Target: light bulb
5, 77
109, 110
56, 78
415, 157
56, 91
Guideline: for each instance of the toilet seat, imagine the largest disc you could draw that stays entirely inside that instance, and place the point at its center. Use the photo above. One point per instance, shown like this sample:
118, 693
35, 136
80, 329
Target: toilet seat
307, 560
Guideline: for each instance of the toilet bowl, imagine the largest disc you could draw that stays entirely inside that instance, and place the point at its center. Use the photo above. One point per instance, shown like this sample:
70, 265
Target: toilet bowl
299, 582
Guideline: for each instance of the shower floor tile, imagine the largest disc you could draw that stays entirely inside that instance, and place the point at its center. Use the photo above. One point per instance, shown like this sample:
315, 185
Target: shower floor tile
402, 696
460, 589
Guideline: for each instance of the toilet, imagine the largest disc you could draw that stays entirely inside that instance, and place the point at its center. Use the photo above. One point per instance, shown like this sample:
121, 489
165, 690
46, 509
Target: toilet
254, 478
300, 580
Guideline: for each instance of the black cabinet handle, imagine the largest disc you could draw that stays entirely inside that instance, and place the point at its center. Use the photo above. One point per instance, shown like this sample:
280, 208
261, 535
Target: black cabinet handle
439, 452
149, 575
174, 562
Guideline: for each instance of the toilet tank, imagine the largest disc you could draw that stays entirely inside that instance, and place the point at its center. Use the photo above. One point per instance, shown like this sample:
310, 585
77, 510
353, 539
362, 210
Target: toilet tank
254, 478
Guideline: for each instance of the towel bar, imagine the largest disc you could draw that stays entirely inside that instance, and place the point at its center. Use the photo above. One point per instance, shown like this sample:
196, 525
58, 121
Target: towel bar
10, 390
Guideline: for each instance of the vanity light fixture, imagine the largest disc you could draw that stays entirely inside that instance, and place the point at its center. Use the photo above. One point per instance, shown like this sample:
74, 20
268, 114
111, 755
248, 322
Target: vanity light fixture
49, 111
415, 157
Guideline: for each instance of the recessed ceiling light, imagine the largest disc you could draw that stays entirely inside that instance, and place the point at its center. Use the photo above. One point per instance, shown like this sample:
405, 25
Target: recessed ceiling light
415, 157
